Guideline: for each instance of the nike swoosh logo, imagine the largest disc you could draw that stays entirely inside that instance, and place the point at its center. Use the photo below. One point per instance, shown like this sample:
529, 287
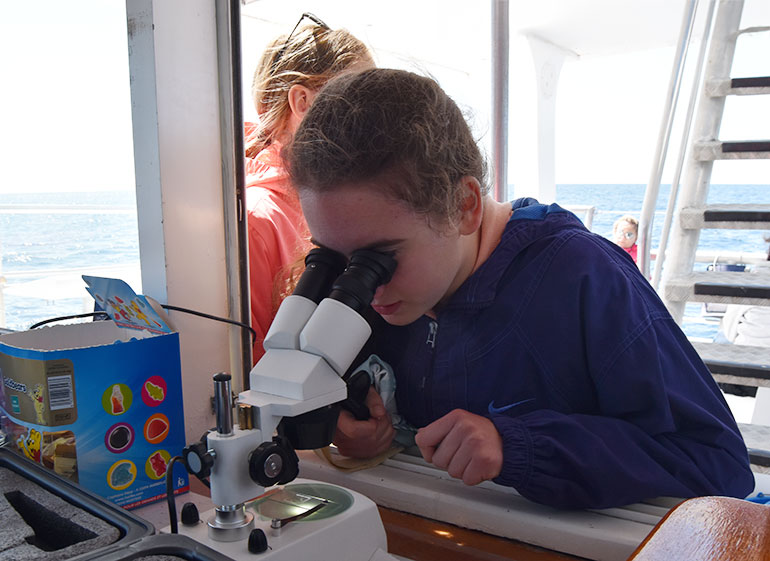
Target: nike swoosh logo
496, 410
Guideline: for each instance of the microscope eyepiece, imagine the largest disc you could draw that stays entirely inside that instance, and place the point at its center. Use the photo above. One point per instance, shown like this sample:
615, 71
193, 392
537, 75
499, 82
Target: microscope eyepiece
322, 266
367, 270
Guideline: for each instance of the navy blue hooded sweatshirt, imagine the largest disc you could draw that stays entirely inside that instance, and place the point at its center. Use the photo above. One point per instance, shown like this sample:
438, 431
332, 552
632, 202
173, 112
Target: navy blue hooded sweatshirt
598, 396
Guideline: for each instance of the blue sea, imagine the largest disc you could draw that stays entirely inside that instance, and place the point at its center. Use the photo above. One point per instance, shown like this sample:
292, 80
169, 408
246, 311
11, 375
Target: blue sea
48, 239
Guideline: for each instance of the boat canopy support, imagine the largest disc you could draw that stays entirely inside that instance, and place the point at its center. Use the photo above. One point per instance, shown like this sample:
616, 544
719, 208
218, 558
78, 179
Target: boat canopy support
534, 144
500, 66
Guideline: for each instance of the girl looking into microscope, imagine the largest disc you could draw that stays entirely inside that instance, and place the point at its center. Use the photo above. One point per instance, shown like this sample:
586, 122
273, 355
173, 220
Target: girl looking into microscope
526, 350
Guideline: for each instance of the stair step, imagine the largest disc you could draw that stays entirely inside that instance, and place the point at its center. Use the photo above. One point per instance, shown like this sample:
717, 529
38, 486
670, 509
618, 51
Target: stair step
760, 457
759, 85
720, 287
746, 146
736, 364
757, 439
733, 217
746, 366
756, 82
733, 150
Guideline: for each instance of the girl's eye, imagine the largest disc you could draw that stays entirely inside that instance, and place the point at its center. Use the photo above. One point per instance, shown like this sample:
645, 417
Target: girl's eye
390, 252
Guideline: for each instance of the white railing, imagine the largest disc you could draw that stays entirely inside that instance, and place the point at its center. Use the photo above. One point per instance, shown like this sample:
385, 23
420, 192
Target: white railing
66, 209
677, 76
584, 212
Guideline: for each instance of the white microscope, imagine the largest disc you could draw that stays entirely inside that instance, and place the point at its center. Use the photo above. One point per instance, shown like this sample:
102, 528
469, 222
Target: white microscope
297, 389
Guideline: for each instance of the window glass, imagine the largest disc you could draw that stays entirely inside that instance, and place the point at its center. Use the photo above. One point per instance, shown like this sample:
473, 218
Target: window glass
67, 201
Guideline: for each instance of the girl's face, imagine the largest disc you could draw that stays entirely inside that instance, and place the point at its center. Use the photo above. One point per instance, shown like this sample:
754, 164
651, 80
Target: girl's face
431, 264
625, 234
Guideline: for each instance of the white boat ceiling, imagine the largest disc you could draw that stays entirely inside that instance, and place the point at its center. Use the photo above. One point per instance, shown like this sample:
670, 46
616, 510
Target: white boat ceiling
584, 27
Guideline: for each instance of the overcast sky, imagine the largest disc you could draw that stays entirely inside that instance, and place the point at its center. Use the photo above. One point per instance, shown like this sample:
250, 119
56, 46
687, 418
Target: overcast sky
66, 117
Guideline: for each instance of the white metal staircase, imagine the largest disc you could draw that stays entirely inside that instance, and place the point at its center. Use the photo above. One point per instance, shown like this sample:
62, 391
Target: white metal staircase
734, 364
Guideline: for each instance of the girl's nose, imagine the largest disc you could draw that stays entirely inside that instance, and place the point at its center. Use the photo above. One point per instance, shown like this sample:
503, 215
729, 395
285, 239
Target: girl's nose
378, 292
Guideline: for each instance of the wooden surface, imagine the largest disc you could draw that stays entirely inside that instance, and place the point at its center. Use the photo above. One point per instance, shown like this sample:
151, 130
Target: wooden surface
710, 529
421, 539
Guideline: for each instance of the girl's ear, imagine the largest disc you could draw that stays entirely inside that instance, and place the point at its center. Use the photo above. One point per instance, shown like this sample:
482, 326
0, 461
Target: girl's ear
471, 212
300, 100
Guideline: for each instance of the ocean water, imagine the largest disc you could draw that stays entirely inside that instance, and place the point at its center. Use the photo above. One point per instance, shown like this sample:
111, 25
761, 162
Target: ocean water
44, 250
48, 240
613, 201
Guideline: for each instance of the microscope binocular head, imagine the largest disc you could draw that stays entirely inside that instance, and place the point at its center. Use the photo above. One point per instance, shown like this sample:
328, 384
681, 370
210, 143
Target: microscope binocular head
351, 282
336, 330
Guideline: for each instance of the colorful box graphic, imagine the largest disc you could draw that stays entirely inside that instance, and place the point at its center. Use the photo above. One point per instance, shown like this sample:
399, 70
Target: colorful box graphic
97, 403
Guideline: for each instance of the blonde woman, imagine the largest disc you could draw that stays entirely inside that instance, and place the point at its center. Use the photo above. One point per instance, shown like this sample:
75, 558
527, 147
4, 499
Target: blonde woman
290, 73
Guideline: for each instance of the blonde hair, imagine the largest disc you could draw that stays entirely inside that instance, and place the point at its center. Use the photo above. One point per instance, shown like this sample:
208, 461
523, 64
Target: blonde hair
311, 57
627, 218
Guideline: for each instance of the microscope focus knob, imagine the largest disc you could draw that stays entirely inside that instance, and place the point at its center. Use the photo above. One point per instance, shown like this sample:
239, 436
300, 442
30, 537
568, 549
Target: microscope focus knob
267, 464
198, 460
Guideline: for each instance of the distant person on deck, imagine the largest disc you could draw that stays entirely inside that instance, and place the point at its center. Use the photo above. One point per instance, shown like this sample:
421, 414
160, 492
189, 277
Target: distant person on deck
291, 71
625, 232
525, 349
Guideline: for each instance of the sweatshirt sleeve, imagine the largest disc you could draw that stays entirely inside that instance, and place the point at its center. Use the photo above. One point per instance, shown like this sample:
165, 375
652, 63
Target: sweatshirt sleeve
588, 461
658, 425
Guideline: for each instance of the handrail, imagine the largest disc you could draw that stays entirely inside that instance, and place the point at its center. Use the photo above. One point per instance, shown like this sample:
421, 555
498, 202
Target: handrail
41, 273
666, 230
587, 211
66, 209
653, 186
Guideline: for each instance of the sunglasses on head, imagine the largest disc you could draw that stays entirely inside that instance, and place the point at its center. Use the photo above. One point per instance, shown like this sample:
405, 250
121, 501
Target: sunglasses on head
315, 19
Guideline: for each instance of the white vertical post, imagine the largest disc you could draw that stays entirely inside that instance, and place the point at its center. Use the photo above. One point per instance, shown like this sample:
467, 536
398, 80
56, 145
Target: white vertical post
761, 415
548, 60
178, 161
500, 67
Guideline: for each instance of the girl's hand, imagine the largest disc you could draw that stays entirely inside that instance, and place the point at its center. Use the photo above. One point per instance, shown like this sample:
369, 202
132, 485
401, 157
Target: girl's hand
365, 439
468, 446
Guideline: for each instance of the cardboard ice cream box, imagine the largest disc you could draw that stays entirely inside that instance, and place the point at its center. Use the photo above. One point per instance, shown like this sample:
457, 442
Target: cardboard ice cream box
99, 402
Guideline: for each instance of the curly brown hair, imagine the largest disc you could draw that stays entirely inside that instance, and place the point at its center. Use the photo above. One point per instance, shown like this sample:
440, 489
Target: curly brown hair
394, 126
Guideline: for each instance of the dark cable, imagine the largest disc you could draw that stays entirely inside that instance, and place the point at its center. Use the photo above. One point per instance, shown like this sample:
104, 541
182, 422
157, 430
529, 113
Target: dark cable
61, 318
170, 494
208, 316
164, 306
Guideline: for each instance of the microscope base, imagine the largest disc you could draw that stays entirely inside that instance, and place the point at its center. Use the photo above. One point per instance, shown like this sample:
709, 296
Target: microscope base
347, 528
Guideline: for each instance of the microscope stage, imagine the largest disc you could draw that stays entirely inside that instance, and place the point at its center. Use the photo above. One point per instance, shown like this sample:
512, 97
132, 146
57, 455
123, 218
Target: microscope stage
344, 526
